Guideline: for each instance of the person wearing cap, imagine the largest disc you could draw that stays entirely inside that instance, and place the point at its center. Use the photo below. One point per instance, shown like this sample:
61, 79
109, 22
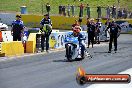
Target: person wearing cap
17, 28
91, 32
114, 30
76, 33
46, 29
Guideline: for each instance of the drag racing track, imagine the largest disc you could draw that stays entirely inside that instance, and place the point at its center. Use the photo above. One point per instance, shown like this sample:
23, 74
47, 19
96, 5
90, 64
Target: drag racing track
53, 71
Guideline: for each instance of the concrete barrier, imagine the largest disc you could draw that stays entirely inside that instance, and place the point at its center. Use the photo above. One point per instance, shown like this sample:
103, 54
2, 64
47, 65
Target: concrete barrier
12, 48
31, 43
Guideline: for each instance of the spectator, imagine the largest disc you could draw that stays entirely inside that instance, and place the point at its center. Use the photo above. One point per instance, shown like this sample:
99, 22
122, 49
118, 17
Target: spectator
46, 29
113, 12
64, 10
88, 10
68, 10
108, 12
124, 12
99, 11
81, 10
119, 15
73, 10
60, 9
48, 8
17, 28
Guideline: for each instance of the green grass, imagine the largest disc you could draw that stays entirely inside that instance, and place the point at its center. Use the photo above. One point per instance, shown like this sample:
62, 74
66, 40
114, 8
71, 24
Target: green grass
35, 6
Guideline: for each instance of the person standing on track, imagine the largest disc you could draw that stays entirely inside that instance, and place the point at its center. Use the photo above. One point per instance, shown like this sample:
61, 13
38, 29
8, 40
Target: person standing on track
114, 30
91, 32
46, 29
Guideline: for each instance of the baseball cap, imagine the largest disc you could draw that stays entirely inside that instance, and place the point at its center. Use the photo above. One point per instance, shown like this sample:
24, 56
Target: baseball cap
18, 15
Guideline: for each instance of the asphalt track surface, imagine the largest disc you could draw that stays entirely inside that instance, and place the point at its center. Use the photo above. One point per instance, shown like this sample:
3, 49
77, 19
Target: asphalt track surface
53, 71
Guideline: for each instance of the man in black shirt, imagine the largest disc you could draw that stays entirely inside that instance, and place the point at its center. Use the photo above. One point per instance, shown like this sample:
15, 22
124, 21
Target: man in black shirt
113, 11
64, 10
60, 10
99, 11
46, 29
114, 30
91, 32
17, 28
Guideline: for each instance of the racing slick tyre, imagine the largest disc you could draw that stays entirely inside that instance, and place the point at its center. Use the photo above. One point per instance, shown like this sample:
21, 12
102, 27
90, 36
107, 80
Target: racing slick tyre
68, 53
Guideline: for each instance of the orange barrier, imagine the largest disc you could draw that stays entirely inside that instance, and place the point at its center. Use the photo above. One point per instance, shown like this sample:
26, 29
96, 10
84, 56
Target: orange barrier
1, 37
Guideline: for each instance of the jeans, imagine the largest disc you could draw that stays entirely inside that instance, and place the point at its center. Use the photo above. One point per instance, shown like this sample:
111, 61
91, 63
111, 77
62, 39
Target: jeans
90, 38
113, 37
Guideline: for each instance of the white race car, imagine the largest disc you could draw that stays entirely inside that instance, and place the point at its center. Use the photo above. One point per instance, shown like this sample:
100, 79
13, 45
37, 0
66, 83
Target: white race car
3, 27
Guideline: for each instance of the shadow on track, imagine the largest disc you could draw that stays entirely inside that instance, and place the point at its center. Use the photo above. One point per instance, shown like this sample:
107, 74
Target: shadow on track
65, 60
101, 52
